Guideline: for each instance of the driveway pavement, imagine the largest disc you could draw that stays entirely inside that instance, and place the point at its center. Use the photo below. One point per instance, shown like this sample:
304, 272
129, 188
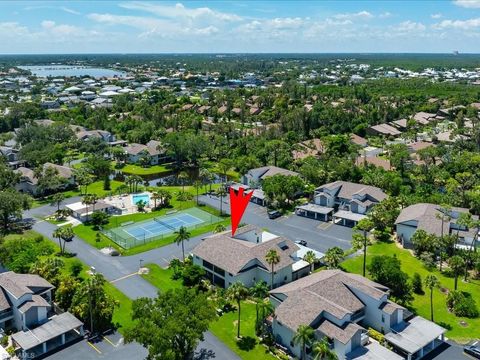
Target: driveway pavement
121, 271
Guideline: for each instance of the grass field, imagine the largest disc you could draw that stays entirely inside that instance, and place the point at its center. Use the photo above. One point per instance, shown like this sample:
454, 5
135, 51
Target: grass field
225, 328
131, 169
161, 278
421, 303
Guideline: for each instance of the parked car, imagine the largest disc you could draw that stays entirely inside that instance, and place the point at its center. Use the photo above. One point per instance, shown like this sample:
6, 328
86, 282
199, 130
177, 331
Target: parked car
472, 349
274, 214
301, 242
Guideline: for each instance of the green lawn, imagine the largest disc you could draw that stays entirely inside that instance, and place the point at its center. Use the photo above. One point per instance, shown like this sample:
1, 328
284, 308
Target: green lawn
421, 303
225, 328
140, 170
94, 188
161, 278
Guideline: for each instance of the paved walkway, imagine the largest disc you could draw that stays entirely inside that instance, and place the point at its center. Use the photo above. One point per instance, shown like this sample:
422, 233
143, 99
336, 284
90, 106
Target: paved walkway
118, 268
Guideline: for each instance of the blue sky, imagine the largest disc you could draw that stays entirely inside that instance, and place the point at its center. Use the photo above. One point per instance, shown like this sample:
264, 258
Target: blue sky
239, 26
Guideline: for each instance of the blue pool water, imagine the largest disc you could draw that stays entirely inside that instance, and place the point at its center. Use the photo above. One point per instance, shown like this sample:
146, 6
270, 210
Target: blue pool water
138, 197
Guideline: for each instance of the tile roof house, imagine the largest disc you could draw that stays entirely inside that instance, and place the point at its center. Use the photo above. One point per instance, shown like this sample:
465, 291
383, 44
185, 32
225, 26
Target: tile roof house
428, 217
25, 306
153, 151
29, 182
99, 134
228, 259
340, 307
383, 130
351, 201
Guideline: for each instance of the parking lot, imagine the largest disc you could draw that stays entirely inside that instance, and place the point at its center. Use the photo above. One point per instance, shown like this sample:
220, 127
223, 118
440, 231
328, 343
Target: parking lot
107, 347
319, 235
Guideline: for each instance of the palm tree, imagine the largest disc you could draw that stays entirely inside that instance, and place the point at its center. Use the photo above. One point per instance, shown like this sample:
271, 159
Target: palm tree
219, 228
333, 257
93, 200
87, 200
204, 176
456, 264
58, 232
321, 350
67, 235
156, 196
237, 292
273, 259
259, 292
311, 258
365, 225
431, 282
221, 193
182, 177
57, 199
303, 337
182, 235
197, 184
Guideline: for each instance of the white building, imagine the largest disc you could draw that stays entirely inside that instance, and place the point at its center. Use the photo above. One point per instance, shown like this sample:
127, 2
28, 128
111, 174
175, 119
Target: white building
341, 307
228, 259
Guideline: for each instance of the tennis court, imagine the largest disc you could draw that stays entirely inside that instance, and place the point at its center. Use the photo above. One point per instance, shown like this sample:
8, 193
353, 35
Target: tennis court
134, 234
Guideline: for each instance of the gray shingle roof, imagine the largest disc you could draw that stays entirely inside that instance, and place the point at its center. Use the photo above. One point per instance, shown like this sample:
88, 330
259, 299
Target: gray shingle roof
327, 290
348, 189
232, 255
20, 284
37, 301
342, 334
4, 302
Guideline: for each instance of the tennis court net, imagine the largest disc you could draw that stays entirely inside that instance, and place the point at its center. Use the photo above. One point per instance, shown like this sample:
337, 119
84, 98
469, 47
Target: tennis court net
164, 223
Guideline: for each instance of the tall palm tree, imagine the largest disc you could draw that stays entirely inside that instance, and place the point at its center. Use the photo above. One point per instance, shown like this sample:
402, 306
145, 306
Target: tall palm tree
333, 257
183, 177
272, 259
182, 235
237, 292
303, 337
87, 200
361, 242
431, 282
155, 197
67, 235
456, 264
321, 351
58, 233
94, 199
197, 184
259, 292
311, 258
221, 193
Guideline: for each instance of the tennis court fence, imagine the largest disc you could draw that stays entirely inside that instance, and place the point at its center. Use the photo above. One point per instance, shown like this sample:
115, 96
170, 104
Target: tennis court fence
122, 238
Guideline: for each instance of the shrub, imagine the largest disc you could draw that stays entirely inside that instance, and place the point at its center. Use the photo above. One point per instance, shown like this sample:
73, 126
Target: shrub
376, 335
428, 260
462, 304
417, 284
76, 267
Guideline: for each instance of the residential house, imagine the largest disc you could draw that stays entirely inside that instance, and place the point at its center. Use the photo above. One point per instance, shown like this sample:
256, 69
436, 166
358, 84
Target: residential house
341, 307
153, 152
227, 259
434, 219
11, 156
313, 147
83, 211
26, 306
97, 134
424, 118
254, 178
29, 182
345, 202
383, 130
358, 140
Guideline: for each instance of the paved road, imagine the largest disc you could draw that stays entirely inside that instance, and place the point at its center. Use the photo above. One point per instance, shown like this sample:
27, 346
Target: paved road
117, 269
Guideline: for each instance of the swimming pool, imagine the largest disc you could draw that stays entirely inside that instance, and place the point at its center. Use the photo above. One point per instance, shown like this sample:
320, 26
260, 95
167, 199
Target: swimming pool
141, 197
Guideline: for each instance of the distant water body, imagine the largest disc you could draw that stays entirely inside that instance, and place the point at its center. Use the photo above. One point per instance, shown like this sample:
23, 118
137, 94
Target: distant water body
72, 71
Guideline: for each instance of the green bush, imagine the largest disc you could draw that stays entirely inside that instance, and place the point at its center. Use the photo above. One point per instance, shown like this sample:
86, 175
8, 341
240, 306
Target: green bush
376, 335
462, 304
417, 284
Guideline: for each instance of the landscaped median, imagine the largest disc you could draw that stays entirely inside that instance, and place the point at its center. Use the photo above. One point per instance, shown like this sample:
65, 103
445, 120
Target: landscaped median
459, 329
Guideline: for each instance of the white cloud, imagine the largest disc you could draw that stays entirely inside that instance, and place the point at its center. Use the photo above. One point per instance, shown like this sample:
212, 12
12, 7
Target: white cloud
458, 24
436, 16
469, 4
385, 15
364, 15
410, 26
70, 11
180, 11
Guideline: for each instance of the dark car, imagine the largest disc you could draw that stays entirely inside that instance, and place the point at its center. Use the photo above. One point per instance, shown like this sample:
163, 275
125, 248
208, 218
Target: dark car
472, 349
301, 242
274, 214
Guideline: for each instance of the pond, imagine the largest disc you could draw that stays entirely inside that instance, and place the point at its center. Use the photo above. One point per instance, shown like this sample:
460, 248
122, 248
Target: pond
72, 71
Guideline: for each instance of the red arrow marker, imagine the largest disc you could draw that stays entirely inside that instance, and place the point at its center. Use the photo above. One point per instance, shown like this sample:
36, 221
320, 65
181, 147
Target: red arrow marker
238, 204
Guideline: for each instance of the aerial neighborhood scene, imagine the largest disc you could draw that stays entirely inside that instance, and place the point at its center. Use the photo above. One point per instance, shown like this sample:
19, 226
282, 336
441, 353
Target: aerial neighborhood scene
232, 180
